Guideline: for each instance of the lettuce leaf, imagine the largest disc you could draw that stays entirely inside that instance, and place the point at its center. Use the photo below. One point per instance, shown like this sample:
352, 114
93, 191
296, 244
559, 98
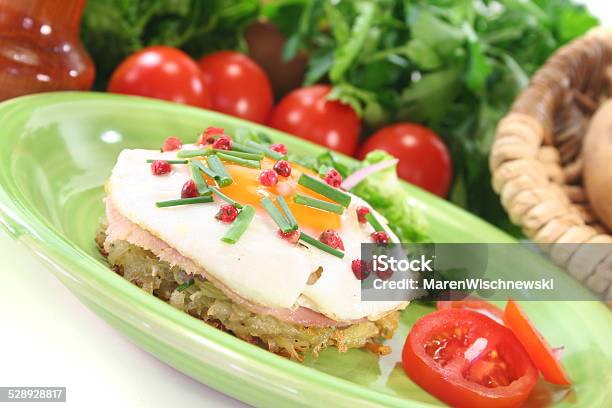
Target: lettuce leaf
453, 66
384, 191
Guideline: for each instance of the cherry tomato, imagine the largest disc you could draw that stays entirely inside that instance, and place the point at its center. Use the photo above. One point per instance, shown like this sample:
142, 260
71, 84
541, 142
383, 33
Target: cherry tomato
467, 360
307, 113
538, 348
480, 306
423, 158
163, 73
238, 86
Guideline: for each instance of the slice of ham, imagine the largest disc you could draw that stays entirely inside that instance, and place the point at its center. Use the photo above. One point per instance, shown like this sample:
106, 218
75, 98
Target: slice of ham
121, 228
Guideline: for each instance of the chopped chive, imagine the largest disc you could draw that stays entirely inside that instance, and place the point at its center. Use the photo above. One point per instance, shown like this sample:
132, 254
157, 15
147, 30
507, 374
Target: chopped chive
240, 224
169, 161
224, 197
244, 148
243, 155
205, 169
194, 153
238, 160
184, 201
283, 205
276, 215
265, 150
197, 178
219, 169
319, 204
323, 247
185, 285
321, 187
374, 222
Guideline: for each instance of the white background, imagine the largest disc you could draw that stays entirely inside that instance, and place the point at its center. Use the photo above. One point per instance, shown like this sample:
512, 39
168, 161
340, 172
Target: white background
48, 338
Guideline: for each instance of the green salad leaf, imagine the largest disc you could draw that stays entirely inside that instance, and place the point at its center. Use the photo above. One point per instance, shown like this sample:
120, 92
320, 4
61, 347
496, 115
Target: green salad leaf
384, 191
454, 66
347, 52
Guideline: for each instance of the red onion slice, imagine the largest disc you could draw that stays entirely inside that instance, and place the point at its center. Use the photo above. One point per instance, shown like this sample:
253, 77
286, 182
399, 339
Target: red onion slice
475, 349
358, 176
558, 352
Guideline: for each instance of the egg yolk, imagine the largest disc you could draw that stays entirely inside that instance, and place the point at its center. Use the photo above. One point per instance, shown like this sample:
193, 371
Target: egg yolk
246, 189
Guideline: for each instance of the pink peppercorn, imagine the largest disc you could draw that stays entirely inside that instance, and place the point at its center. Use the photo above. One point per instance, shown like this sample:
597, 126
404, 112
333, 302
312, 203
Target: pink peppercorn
207, 137
268, 178
283, 168
380, 237
227, 213
360, 268
159, 167
331, 238
224, 142
172, 143
279, 147
291, 236
189, 189
361, 214
384, 275
333, 178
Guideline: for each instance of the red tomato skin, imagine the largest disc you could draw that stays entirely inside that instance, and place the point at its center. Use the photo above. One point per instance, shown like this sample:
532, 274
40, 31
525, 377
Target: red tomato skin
537, 347
306, 113
161, 72
423, 157
445, 384
238, 86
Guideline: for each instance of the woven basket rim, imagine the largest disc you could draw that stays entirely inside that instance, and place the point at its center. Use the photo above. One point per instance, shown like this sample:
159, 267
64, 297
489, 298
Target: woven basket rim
525, 161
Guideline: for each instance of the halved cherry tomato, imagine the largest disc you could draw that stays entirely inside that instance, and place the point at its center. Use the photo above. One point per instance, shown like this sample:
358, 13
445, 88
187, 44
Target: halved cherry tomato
538, 348
467, 360
480, 306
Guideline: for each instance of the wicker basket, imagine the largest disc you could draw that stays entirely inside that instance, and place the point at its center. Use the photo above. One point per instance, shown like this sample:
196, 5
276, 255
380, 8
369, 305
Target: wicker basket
536, 159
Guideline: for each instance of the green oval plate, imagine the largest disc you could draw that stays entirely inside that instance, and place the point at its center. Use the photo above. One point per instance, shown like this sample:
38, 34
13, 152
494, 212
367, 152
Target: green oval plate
57, 149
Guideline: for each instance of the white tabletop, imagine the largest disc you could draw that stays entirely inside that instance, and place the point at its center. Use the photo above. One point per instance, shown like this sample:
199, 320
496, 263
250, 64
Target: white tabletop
48, 338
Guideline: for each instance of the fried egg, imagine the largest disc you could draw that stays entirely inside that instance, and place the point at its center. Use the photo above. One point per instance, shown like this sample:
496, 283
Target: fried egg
261, 267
